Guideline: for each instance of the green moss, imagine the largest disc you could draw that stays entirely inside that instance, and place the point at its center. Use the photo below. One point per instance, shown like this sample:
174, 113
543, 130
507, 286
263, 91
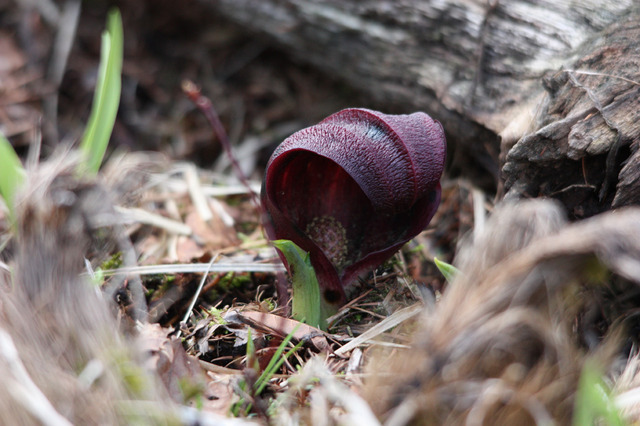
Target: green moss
233, 281
114, 262
217, 316
158, 284
269, 304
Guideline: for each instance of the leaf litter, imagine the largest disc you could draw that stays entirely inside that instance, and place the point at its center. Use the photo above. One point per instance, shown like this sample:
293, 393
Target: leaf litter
505, 341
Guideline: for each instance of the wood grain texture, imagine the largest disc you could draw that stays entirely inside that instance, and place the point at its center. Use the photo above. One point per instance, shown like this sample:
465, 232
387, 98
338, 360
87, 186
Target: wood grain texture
584, 149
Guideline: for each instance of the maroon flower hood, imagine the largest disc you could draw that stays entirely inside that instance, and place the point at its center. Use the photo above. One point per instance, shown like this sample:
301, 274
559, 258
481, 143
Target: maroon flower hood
353, 189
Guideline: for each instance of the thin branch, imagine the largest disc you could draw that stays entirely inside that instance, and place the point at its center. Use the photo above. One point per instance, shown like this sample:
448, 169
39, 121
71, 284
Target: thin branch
206, 107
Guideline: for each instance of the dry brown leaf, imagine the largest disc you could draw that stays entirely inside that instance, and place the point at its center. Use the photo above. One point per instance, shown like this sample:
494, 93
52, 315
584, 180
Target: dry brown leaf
214, 234
275, 324
177, 369
151, 338
219, 393
188, 249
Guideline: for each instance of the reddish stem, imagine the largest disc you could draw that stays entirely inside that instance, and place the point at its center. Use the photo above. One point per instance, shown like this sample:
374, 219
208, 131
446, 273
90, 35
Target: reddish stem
205, 105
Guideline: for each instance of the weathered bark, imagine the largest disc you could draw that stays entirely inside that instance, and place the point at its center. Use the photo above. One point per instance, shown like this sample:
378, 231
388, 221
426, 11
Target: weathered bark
584, 150
477, 66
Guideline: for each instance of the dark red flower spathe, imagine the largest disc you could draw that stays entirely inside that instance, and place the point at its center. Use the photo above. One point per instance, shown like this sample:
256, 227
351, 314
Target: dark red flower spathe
353, 189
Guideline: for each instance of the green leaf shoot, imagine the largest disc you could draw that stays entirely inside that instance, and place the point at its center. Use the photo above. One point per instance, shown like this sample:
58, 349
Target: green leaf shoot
107, 96
449, 271
252, 360
594, 404
12, 174
307, 303
276, 361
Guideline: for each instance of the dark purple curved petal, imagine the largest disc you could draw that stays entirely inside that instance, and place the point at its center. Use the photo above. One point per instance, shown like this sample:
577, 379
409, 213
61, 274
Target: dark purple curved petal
353, 189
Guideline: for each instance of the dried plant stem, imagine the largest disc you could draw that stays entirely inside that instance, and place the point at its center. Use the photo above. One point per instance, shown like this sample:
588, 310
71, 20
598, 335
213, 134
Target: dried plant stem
137, 215
188, 268
195, 191
197, 293
23, 389
479, 212
396, 318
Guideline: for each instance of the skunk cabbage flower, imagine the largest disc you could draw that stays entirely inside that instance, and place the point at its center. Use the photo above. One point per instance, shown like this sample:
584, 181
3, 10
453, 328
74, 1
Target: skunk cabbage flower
353, 189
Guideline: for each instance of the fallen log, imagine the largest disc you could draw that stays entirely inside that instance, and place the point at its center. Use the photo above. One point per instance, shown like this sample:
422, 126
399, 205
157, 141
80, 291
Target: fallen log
483, 69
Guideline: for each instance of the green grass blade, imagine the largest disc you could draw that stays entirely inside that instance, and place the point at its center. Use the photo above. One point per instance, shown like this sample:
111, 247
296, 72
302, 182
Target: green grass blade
11, 173
449, 271
107, 95
276, 361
